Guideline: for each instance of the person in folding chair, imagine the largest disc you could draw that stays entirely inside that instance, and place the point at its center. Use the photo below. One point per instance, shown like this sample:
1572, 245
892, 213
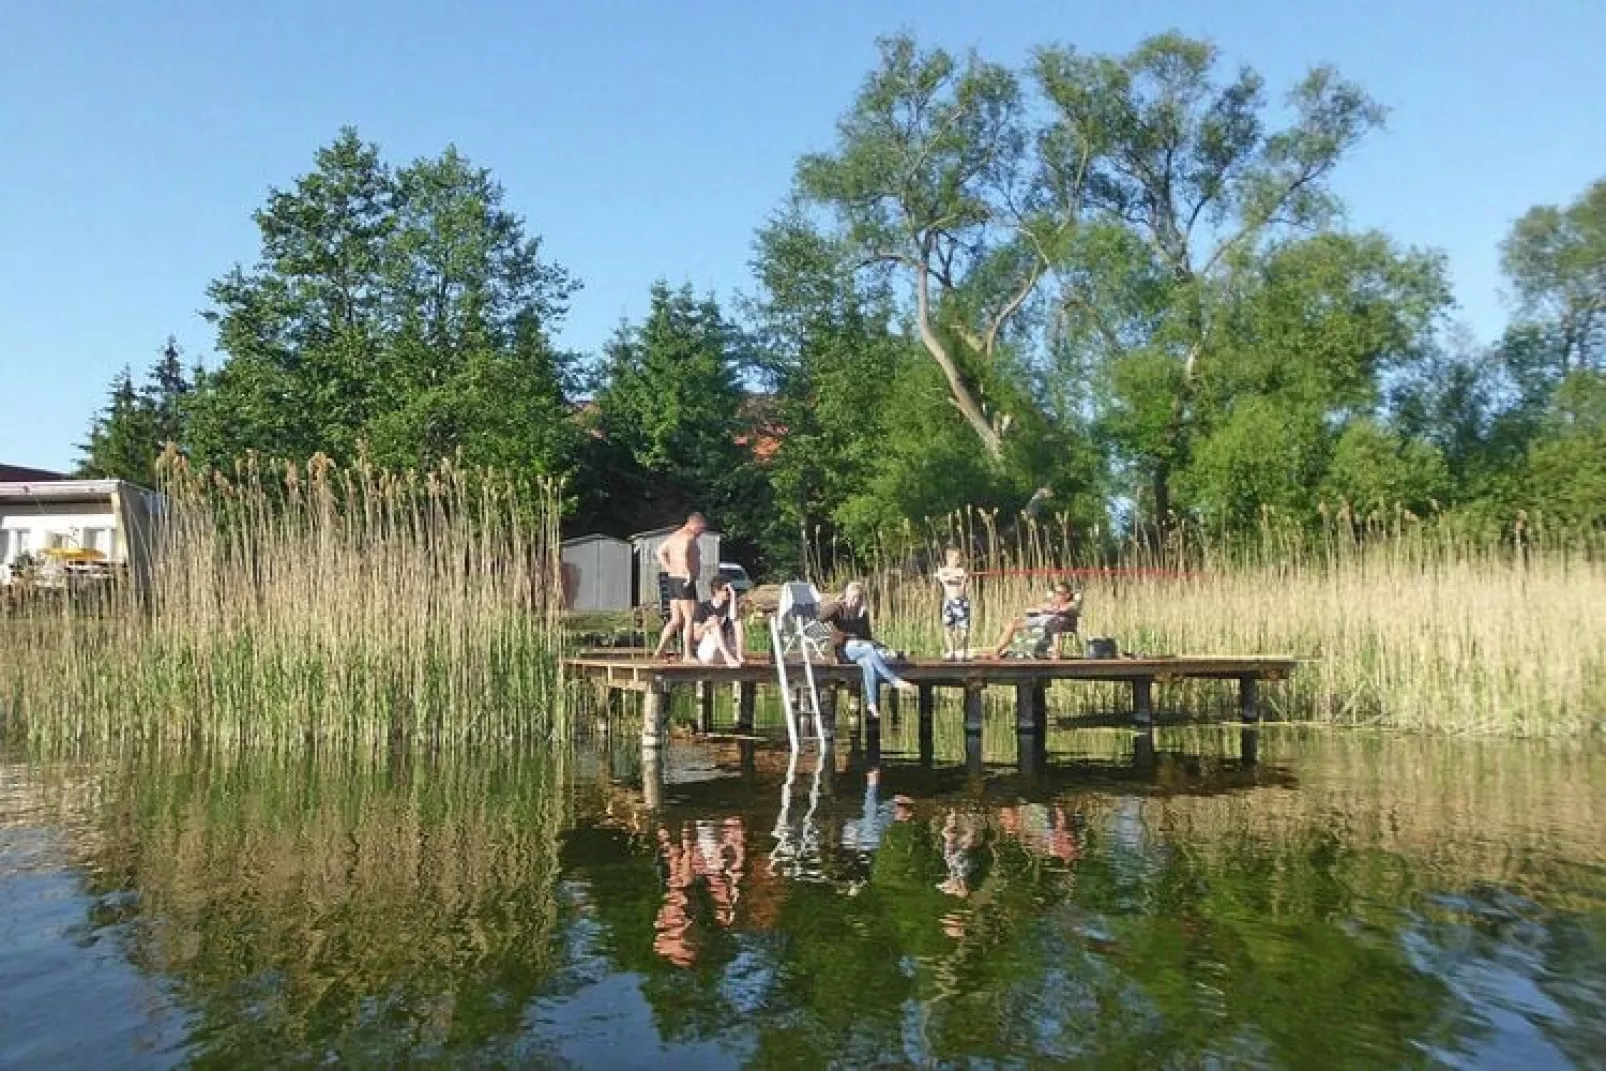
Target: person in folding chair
1044, 625
849, 621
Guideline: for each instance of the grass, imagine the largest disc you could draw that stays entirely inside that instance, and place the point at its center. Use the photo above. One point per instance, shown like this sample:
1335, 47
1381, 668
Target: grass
1408, 624
291, 604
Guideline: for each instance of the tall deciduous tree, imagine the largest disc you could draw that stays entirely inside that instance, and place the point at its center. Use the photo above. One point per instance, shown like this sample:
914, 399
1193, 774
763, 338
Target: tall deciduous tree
1555, 259
933, 178
401, 307
1184, 185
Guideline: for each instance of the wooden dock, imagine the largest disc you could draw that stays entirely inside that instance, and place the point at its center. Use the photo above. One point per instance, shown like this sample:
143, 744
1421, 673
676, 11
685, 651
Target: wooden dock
637, 671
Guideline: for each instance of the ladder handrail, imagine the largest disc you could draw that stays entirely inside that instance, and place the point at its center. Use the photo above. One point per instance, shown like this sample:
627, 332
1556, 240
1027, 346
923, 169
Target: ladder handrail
799, 605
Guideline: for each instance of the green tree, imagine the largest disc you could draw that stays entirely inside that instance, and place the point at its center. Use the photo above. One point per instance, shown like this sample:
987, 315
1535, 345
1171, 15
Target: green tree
830, 355
1566, 465
1301, 345
404, 308
129, 434
1555, 259
1185, 187
672, 422
1374, 468
167, 391
933, 178
872, 437
122, 442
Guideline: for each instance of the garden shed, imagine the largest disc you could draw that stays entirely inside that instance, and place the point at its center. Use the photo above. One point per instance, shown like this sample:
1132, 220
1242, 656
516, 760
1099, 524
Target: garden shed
596, 573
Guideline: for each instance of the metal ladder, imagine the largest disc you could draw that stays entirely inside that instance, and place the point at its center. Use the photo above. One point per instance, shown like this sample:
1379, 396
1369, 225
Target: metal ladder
796, 626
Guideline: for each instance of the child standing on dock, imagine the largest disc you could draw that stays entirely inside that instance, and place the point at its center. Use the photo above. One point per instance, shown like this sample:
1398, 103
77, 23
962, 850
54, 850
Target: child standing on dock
955, 583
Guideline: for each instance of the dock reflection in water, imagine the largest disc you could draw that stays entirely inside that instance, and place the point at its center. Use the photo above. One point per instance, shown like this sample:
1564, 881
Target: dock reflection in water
1295, 898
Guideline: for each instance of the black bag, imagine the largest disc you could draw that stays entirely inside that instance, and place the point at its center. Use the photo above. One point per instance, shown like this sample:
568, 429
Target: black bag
1102, 647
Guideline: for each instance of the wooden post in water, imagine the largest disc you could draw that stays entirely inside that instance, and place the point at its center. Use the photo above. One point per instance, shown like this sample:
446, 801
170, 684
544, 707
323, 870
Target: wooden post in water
828, 705
746, 699
705, 707
654, 715
1143, 701
1247, 705
1031, 756
1029, 713
1143, 750
652, 777
927, 709
973, 706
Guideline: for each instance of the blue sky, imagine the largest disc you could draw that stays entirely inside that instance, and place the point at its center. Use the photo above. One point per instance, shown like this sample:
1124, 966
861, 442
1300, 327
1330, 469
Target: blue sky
648, 139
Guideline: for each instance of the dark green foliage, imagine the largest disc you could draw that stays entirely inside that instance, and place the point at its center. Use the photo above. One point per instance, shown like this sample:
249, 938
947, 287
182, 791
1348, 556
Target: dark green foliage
672, 429
1565, 474
127, 437
400, 308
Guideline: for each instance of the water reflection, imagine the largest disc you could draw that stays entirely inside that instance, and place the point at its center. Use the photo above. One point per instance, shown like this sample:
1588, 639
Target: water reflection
1107, 897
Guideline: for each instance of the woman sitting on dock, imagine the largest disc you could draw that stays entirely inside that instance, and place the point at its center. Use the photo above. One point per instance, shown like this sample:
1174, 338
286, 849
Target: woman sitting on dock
850, 631
1055, 618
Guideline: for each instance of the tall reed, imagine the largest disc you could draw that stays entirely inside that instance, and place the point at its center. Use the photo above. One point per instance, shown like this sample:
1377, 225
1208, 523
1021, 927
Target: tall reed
289, 604
1407, 623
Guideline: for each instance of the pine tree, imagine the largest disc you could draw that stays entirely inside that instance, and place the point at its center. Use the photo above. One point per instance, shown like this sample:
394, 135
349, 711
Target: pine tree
165, 389
670, 421
127, 437
122, 439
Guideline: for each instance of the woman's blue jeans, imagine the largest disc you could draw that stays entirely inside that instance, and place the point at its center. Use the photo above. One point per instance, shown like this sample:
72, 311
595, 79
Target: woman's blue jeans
874, 667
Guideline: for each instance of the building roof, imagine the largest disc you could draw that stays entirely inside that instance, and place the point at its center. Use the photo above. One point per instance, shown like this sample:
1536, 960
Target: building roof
15, 492
25, 474
594, 537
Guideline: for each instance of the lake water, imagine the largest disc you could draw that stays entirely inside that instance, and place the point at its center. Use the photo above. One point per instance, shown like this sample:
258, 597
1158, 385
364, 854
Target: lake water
1192, 898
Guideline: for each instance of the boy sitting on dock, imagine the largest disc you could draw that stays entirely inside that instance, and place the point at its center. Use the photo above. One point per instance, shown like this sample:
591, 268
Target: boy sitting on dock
955, 606
1056, 617
717, 628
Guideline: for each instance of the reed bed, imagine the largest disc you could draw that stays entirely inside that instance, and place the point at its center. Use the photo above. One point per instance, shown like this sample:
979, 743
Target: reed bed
290, 604
1408, 624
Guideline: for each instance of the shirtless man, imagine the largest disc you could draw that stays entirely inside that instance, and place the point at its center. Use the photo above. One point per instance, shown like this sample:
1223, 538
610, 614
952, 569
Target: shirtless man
679, 559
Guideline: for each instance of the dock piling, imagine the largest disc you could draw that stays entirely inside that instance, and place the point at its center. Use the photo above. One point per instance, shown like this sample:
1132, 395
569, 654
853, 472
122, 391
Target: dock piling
1143, 701
705, 707
654, 716
973, 706
1248, 706
746, 700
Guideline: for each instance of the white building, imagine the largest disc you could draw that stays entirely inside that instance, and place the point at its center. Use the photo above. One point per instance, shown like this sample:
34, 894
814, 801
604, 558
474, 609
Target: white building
646, 545
111, 518
596, 573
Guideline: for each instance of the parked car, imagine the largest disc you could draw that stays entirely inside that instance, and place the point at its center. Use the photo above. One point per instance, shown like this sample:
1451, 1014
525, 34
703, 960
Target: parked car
737, 576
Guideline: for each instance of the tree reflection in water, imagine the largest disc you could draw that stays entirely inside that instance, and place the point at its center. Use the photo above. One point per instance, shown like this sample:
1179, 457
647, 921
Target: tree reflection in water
1346, 901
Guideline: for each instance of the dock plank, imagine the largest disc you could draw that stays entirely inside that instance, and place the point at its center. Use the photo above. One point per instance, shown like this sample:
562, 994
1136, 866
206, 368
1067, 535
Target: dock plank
625, 670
